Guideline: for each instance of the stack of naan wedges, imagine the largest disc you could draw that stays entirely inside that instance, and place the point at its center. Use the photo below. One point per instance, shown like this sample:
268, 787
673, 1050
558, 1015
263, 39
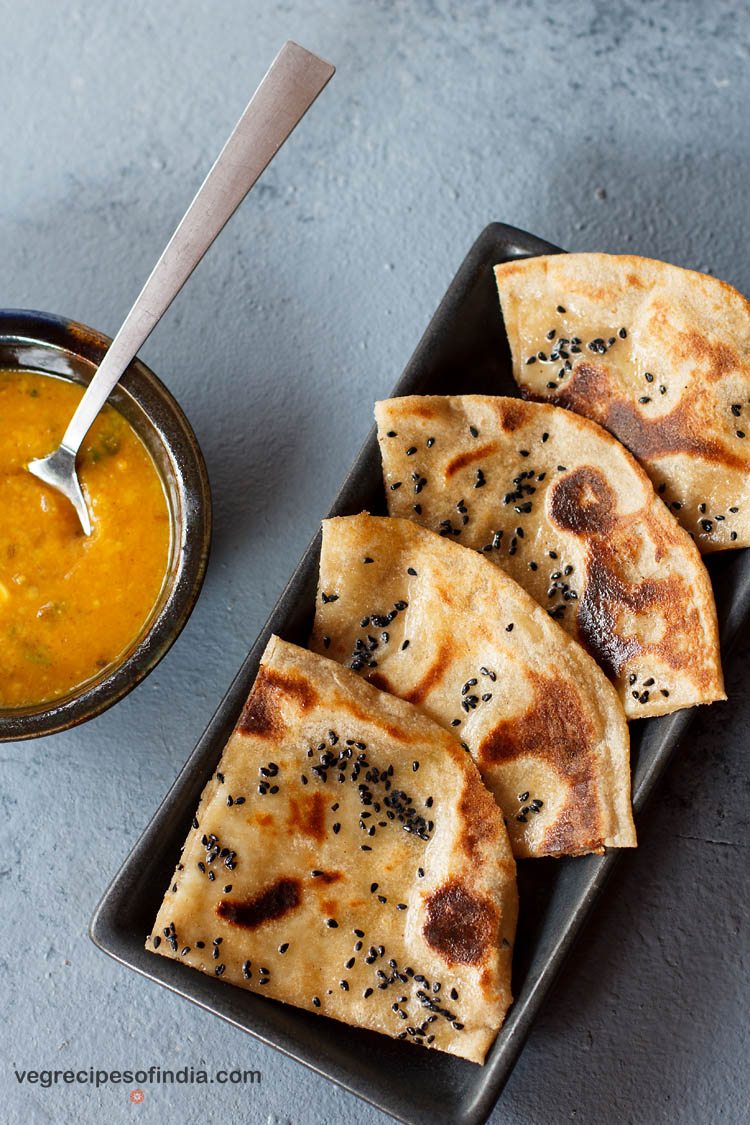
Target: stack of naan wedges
475, 658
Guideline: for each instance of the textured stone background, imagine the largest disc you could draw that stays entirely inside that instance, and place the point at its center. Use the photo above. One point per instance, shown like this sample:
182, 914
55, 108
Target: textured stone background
596, 125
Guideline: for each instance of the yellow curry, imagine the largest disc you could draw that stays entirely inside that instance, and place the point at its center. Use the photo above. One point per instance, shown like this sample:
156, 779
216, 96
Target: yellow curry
70, 605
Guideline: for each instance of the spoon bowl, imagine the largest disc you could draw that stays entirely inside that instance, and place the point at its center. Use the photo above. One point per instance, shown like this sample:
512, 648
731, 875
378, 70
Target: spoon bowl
64, 349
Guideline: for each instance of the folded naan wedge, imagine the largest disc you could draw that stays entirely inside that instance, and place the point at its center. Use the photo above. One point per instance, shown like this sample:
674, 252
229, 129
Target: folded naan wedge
346, 858
658, 355
566, 511
440, 626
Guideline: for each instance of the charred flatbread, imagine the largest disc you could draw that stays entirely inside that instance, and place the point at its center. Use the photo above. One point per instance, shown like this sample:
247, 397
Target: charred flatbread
566, 511
658, 355
346, 858
440, 626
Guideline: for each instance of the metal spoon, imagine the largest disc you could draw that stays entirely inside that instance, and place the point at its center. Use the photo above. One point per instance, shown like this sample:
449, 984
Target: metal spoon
292, 84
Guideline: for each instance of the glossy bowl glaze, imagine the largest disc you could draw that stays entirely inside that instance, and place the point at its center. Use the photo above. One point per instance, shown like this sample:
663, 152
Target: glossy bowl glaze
54, 346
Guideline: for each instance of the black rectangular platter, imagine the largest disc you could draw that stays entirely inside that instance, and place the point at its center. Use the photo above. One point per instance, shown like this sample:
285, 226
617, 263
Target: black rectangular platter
463, 351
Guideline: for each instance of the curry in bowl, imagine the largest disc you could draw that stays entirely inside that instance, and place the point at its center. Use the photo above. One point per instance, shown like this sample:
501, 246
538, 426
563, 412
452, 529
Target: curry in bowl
71, 604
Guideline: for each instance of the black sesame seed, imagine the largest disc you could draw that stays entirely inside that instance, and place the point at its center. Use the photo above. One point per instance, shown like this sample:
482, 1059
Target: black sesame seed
316, 999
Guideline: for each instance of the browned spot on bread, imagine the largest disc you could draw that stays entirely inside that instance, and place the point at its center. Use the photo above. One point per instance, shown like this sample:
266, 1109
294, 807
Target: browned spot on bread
307, 815
718, 357
583, 502
598, 612
372, 718
478, 828
577, 829
676, 432
460, 926
554, 727
328, 877
261, 714
589, 392
588, 387
272, 903
461, 460
512, 414
414, 410
607, 592
431, 678
378, 680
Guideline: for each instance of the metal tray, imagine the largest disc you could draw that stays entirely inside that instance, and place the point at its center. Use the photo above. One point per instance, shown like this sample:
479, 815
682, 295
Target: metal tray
463, 351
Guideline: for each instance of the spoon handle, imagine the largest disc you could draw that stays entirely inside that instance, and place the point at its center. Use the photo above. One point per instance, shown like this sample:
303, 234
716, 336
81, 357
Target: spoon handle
291, 85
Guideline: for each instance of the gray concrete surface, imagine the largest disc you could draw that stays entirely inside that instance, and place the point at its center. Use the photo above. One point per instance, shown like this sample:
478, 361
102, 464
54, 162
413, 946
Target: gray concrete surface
597, 125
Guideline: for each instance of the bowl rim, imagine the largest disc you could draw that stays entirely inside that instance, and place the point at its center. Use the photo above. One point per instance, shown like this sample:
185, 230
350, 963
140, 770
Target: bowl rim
172, 428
